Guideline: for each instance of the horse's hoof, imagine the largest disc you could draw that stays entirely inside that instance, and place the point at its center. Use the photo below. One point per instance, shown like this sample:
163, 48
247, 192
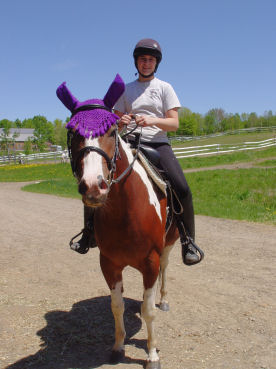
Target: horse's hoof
117, 356
153, 365
164, 306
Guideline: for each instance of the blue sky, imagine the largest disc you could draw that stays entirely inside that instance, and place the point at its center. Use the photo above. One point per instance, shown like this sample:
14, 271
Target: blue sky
216, 53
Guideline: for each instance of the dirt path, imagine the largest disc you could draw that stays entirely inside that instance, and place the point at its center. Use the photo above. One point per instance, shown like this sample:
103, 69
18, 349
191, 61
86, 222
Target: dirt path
238, 165
55, 310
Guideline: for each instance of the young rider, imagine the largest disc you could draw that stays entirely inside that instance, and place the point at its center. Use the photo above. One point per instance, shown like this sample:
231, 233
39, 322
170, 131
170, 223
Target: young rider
155, 106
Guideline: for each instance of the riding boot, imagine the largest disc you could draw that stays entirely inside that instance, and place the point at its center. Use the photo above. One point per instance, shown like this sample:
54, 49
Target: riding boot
88, 237
191, 253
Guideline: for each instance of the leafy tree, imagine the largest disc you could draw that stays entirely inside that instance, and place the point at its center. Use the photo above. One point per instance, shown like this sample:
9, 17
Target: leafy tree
27, 123
18, 123
6, 140
217, 115
43, 132
28, 146
187, 122
59, 133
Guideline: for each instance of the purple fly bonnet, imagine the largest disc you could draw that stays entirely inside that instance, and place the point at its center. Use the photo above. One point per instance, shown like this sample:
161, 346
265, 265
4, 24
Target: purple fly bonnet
97, 121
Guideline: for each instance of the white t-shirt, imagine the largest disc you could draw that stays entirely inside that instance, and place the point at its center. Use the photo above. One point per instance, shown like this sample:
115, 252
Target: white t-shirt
152, 98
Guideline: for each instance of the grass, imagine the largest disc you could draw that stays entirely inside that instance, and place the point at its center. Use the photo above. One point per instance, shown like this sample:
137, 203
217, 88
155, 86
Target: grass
244, 194
34, 172
228, 139
268, 163
65, 187
236, 157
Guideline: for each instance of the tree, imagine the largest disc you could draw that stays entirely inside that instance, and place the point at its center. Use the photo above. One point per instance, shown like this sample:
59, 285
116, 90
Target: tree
59, 133
43, 132
187, 122
6, 140
28, 146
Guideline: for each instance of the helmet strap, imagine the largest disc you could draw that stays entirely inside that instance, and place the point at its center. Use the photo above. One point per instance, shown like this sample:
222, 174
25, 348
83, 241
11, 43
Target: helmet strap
145, 76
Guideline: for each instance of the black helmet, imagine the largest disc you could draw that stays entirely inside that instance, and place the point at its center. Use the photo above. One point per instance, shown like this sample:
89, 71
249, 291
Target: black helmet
148, 46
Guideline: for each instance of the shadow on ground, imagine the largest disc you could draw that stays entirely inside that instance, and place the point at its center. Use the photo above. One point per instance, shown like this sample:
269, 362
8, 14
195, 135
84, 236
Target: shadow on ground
83, 337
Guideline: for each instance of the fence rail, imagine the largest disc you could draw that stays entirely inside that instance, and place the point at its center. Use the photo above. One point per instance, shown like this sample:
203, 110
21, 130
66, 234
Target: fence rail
216, 149
182, 152
226, 133
60, 156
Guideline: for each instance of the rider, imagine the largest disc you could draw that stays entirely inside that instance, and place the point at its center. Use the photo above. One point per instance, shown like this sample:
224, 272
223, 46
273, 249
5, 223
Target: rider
155, 106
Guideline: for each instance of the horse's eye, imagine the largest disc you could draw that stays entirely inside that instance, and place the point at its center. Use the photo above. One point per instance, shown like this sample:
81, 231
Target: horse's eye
112, 134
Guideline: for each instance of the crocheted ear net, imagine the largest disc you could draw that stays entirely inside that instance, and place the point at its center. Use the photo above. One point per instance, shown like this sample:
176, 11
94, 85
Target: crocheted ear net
92, 123
96, 122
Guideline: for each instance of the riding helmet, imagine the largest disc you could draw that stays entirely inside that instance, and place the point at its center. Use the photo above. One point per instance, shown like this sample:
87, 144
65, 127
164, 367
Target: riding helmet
148, 46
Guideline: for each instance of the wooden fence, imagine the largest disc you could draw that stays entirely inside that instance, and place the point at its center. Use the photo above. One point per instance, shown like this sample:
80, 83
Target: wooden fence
216, 149
182, 152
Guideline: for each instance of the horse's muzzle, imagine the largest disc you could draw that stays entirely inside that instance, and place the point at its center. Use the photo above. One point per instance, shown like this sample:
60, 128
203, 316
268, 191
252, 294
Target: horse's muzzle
94, 195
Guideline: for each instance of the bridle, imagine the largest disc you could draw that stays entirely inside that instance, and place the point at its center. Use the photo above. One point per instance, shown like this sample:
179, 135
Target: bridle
111, 162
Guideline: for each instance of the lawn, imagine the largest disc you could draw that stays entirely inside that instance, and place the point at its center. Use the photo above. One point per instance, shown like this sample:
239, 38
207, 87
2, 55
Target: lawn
244, 194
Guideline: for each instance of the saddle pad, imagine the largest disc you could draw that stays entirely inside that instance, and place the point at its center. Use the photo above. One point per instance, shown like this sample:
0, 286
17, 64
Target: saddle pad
152, 173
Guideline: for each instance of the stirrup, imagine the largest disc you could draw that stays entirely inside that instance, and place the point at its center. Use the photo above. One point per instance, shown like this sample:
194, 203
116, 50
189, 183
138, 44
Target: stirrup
187, 245
76, 246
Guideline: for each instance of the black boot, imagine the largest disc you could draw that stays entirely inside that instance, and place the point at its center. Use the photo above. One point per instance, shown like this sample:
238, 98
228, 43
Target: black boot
88, 238
191, 253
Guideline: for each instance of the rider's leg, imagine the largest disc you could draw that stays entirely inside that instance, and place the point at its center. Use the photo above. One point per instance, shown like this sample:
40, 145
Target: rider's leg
186, 222
88, 238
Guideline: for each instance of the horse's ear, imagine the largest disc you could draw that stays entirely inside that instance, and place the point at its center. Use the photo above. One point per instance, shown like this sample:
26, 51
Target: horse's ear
114, 92
66, 97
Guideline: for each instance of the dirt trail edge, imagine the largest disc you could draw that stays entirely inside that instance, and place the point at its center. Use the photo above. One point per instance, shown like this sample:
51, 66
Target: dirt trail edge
55, 306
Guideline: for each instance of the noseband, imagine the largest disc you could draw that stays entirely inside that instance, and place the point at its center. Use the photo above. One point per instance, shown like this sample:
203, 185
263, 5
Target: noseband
111, 163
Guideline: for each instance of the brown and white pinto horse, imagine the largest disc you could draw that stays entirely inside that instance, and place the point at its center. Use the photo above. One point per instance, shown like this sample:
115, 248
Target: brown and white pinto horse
129, 223
130, 215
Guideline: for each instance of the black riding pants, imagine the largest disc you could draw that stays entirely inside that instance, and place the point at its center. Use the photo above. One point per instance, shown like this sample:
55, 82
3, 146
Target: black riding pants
175, 174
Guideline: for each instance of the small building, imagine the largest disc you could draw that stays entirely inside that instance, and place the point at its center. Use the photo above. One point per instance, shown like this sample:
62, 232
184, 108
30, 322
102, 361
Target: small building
23, 135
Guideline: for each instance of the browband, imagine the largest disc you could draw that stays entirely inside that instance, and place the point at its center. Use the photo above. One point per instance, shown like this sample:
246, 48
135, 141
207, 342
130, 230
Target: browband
90, 107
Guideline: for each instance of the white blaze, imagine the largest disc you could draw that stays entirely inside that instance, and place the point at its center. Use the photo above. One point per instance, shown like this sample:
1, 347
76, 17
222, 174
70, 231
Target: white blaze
92, 163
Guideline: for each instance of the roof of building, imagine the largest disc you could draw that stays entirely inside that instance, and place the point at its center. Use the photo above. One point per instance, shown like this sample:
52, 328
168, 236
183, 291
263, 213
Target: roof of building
24, 133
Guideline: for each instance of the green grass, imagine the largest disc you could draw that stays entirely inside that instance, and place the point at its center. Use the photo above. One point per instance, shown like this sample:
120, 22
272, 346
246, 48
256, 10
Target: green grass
61, 187
227, 139
268, 163
241, 156
244, 194
34, 172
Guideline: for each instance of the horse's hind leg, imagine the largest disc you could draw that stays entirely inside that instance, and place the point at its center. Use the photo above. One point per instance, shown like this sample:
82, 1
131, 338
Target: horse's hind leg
113, 277
164, 261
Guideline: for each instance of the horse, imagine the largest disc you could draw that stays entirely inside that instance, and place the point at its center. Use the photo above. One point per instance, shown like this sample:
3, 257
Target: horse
130, 212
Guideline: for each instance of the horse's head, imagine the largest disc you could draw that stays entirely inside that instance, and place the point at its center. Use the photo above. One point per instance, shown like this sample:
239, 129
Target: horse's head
93, 141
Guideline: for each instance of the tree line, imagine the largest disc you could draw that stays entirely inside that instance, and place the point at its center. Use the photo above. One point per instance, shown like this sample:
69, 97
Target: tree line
217, 120
190, 124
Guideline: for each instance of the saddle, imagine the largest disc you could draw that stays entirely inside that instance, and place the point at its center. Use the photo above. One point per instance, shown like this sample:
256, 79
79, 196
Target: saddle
150, 160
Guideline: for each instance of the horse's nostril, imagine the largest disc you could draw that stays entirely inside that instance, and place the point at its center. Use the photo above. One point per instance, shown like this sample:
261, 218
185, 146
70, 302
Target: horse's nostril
102, 183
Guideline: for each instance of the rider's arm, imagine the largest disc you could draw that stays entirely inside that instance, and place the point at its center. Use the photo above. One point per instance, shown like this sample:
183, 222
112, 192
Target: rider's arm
169, 123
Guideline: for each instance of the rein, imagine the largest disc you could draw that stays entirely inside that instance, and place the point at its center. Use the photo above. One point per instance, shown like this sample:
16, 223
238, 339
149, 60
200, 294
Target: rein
111, 163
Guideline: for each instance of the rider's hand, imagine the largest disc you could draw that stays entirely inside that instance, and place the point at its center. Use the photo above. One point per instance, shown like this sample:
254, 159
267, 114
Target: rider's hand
125, 120
145, 120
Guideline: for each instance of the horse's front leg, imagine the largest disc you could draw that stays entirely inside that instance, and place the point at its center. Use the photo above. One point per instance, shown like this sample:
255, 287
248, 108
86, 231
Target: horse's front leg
148, 309
164, 261
113, 277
